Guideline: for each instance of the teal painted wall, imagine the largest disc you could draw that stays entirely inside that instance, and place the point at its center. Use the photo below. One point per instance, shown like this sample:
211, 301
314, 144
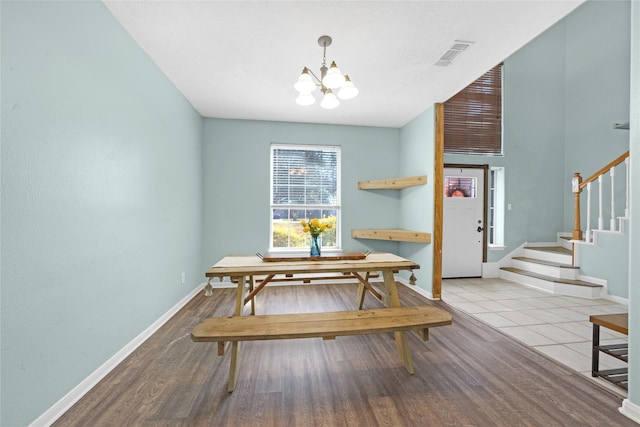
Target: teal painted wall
608, 259
101, 198
533, 137
416, 203
597, 96
634, 232
236, 182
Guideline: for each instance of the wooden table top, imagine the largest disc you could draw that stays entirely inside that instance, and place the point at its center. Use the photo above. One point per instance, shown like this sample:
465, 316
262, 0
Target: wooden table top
234, 266
618, 322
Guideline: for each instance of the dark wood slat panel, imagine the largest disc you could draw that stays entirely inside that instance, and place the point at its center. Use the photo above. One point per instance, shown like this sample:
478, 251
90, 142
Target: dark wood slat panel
467, 374
473, 116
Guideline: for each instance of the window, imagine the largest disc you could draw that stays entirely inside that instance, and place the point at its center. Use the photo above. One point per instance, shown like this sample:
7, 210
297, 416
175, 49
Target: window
460, 186
496, 208
305, 184
473, 117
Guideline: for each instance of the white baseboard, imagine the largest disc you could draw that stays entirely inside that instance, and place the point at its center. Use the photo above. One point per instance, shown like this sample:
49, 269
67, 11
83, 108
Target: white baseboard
491, 270
417, 289
63, 405
619, 300
602, 282
539, 244
630, 410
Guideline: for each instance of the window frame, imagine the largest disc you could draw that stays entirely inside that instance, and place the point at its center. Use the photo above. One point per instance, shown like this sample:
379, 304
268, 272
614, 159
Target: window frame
336, 206
495, 232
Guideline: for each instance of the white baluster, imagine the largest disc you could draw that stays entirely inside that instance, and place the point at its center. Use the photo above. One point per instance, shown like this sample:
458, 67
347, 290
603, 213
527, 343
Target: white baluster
612, 223
600, 217
626, 204
587, 234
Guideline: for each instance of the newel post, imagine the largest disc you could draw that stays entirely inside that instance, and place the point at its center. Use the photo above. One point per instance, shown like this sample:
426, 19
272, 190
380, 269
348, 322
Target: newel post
575, 187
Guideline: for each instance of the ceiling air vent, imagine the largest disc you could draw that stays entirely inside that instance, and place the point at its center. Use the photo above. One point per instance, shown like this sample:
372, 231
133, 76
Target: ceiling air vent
458, 47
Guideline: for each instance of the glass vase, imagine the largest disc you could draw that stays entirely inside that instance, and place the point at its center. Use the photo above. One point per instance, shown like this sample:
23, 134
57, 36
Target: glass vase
315, 243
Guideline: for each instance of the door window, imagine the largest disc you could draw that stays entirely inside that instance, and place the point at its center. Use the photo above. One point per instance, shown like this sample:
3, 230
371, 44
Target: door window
460, 186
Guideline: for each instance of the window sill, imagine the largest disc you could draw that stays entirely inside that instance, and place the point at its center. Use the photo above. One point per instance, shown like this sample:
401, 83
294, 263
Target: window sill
497, 248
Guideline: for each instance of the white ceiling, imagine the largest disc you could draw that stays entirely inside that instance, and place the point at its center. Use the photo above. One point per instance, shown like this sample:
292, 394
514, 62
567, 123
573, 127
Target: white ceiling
240, 59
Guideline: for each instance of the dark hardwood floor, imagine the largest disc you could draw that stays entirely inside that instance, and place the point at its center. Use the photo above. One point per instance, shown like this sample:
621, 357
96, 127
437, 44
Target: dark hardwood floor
467, 374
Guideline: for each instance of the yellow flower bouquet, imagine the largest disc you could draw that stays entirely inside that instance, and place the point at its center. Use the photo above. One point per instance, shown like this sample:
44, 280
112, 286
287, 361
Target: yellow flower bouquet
315, 227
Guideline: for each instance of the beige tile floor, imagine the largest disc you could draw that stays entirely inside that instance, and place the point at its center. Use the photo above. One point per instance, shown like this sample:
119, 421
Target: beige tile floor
555, 325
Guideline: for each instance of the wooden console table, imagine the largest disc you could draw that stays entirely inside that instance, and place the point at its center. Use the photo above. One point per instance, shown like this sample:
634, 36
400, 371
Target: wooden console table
619, 323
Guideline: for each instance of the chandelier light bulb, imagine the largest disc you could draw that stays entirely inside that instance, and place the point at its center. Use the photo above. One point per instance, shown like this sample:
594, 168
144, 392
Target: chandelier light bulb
305, 98
334, 78
348, 89
305, 82
330, 101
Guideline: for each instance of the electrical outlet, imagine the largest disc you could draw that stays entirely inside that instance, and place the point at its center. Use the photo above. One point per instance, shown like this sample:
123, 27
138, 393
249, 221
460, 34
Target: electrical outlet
183, 277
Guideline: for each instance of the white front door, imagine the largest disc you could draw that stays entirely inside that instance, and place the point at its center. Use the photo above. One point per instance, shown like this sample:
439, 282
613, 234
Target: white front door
462, 224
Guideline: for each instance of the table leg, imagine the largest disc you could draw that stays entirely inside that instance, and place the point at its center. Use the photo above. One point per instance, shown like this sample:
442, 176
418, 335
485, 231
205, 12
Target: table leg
363, 287
233, 370
595, 351
360, 296
402, 341
235, 346
240, 292
253, 298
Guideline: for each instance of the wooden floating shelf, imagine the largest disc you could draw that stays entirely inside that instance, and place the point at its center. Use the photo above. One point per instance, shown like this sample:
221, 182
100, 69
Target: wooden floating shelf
395, 234
393, 183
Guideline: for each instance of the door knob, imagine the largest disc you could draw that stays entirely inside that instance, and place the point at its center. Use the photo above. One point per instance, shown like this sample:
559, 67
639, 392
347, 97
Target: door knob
479, 229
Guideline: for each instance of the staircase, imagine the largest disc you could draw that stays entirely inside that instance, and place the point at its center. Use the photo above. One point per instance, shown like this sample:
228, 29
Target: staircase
550, 268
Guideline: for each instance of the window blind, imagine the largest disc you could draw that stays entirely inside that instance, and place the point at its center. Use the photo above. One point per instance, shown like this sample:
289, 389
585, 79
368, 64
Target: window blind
473, 117
304, 177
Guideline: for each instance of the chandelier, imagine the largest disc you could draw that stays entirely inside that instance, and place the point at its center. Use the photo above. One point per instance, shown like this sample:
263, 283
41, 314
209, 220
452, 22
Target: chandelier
330, 79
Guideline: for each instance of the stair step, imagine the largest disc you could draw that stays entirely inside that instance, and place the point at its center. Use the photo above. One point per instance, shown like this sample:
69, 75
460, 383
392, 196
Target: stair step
544, 262
556, 254
550, 249
566, 241
551, 279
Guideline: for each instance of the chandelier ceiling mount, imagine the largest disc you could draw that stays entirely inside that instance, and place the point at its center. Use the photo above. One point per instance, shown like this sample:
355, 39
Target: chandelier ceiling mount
330, 78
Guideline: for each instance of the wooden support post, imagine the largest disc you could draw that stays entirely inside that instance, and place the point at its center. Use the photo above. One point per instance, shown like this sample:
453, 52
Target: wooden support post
438, 202
575, 187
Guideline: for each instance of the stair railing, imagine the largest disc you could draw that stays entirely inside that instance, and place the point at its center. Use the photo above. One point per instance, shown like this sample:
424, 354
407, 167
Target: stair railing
577, 185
